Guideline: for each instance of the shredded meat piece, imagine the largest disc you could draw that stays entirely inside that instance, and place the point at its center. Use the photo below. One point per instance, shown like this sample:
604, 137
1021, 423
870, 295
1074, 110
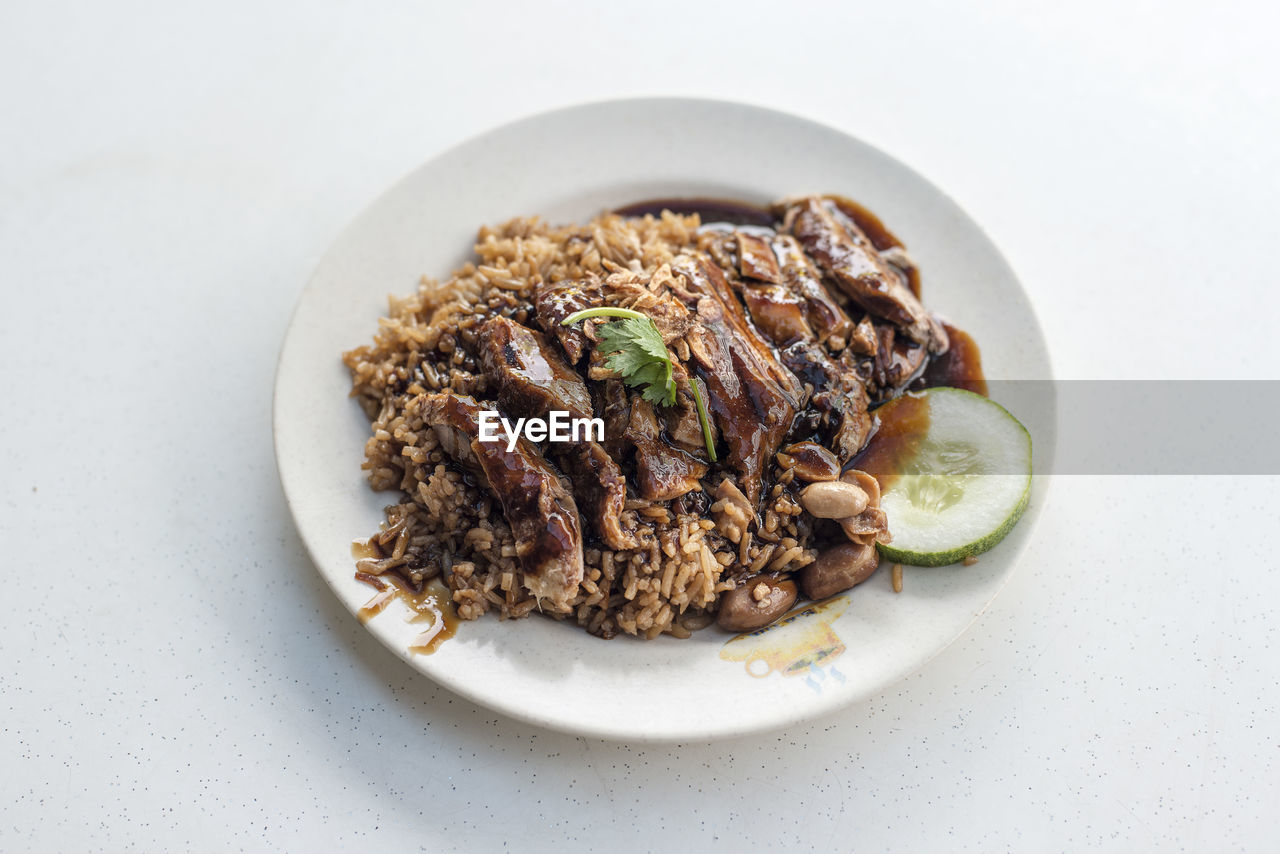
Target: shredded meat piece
681, 421
555, 302
756, 259
830, 324
752, 395
533, 379
649, 296
541, 512
602, 488
863, 340
663, 472
849, 258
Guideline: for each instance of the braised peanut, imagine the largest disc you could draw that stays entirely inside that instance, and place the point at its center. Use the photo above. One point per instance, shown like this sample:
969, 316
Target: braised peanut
837, 569
834, 499
747, 608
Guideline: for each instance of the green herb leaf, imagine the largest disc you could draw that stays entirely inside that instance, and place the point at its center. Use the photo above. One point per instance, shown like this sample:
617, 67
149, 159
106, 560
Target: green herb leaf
638, 355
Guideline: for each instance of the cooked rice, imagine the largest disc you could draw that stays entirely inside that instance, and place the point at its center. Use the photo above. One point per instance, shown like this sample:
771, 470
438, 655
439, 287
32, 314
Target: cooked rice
447, 525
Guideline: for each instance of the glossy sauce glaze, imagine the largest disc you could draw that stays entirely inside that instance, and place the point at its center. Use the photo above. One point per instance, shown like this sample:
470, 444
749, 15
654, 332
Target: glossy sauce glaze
959, 367
902, 423
899, 423
744, 391
881, 238
716, 212
900, 426
539, 508
763, 412
432, 604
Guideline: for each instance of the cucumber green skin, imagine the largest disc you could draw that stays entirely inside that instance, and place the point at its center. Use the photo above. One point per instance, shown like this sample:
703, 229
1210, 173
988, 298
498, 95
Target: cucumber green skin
979, 545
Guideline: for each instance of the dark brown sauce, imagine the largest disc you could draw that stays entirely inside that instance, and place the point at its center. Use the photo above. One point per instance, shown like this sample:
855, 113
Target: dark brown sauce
735, 212
881, 238
902, 423
959, 367
433, 604
900, 426
362, 549
710, 210
912, 275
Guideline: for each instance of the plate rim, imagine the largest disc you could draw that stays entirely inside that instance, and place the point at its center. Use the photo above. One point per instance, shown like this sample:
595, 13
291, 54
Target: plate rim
1040, 486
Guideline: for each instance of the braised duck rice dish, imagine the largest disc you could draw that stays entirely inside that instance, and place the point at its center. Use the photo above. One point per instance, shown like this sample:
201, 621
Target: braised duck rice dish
733, 362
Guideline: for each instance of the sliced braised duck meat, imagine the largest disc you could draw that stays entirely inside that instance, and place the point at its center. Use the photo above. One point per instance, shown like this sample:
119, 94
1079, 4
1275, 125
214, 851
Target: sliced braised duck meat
885, 338
863, 340
903, 363
849, 259
554, 302
777, 312
613, 407
519, 365
540, 510
840, 400
756, 259
725, 309
602, 489
830, 324
853, 429
663, 472
451, 422
752, 396
884, 240
897, 258
896, 363
532, 377
839, 397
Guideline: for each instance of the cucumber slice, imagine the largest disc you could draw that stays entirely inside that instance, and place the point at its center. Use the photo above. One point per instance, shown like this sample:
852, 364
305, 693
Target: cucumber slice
955, 475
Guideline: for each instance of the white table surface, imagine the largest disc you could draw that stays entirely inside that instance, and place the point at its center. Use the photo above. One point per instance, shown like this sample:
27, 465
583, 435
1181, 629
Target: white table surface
174, 673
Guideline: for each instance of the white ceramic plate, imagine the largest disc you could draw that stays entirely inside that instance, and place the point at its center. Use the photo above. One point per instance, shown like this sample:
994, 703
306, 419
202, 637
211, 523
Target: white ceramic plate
566, 166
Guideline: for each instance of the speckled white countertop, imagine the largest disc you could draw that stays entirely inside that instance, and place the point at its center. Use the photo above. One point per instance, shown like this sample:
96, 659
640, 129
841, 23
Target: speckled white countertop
175, 675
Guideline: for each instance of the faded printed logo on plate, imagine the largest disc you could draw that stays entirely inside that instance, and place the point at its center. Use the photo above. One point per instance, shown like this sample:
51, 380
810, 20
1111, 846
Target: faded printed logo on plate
801, 644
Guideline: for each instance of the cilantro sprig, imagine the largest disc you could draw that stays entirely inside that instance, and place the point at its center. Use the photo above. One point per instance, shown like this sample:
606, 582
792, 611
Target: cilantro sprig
637, 352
